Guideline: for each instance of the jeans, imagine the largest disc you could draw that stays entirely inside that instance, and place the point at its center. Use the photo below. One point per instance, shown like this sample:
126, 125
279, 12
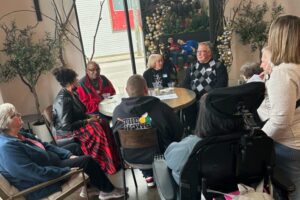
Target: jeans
147, 172
288, 160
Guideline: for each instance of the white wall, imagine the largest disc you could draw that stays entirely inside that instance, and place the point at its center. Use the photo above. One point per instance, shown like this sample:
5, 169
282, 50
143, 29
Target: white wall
108, 42
16, 92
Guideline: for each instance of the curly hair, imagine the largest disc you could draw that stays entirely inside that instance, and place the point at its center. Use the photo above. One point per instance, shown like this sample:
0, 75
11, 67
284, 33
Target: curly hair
64, 75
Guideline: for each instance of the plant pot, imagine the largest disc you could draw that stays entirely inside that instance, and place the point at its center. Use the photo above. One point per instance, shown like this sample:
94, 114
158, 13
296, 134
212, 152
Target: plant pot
40, 129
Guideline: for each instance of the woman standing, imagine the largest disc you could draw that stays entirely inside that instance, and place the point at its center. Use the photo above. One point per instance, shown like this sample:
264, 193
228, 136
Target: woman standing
70, 120
283, 90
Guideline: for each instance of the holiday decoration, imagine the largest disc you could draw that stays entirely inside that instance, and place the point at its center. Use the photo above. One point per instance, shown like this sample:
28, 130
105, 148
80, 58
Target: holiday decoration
171, 17
224, 47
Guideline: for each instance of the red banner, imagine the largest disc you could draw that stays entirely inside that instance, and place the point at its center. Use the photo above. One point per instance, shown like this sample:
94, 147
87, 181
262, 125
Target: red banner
118, 14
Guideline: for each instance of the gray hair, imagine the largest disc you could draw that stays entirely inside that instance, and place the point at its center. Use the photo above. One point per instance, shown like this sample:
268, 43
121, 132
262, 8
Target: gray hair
249, 69
208, 44
6, 111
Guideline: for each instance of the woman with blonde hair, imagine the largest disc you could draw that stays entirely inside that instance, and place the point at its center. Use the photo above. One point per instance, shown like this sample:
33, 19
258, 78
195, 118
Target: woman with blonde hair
281, 113
158, 74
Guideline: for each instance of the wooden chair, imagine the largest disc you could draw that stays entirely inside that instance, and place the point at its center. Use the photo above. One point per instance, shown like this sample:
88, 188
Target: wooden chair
136, 140
78, 179
48, 118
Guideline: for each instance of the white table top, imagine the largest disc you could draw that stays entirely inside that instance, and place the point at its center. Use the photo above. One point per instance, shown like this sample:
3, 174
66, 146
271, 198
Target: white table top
180, 99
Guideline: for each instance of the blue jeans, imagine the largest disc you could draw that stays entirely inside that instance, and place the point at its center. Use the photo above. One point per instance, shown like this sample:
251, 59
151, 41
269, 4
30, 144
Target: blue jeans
288, 160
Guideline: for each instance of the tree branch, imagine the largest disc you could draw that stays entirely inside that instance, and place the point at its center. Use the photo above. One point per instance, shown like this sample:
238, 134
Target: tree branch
97, 28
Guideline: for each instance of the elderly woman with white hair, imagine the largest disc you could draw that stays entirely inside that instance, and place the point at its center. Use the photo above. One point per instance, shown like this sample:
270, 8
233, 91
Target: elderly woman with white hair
159, 73
25, 161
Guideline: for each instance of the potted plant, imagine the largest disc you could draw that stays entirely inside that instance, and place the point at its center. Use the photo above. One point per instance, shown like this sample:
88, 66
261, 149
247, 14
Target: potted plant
27, 58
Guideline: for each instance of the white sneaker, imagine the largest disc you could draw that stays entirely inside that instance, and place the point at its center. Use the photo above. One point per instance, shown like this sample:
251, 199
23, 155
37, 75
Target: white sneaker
92, 191
116, 193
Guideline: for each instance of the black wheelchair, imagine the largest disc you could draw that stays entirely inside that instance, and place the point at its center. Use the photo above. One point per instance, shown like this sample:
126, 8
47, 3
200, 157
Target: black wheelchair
219, 163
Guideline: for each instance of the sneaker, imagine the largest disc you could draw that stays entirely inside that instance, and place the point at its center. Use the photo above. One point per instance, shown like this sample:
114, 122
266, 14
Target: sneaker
92, 191
150, 181
116, 193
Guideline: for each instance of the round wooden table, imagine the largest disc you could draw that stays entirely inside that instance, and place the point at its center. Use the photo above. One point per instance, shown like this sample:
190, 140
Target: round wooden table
184, 98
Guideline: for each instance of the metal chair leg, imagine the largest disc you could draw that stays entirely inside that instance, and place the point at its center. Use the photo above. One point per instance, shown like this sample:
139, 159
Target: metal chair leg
124, 182
132, 171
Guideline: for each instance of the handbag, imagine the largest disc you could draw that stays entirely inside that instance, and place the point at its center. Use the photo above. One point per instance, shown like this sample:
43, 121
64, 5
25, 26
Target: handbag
248, 193
245, 192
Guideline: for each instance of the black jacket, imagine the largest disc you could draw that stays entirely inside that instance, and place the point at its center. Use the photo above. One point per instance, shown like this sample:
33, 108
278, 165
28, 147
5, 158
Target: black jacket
168, 126
68, 112
166, 74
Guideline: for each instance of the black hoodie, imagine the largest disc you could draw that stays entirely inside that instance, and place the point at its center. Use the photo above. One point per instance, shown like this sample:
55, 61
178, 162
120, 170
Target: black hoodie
168, 126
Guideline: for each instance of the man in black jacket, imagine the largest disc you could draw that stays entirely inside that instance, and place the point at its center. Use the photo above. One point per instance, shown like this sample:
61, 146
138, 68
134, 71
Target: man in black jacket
159, 115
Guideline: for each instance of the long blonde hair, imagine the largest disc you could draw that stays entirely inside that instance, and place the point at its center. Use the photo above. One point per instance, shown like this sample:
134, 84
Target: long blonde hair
284, 40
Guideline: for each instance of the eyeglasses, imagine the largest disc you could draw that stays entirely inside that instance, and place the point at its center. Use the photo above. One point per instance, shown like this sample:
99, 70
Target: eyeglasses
202, 51
16, 114
94, 69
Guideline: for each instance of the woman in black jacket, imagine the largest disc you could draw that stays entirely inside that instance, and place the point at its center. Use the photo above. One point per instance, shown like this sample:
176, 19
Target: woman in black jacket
159, 72
70, 120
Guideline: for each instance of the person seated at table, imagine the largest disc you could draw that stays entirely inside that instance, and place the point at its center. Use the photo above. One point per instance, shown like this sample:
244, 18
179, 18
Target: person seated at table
139, 104
208, 124
206, 73
93, 88
70, 120
158, 74
26, 161
250, 72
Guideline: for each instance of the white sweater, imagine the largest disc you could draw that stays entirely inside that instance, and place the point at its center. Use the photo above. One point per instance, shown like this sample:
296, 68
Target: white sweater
279, 105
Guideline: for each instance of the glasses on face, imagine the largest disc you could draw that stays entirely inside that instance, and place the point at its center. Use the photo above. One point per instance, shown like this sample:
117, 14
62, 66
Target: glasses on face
202, 51
16, 114
94, 70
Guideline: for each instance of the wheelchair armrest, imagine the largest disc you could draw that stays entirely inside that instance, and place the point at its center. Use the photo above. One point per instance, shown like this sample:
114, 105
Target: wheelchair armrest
47, 183
164, 180
282, 182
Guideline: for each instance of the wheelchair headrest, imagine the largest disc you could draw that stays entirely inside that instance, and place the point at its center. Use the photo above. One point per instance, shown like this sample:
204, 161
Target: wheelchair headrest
228, 102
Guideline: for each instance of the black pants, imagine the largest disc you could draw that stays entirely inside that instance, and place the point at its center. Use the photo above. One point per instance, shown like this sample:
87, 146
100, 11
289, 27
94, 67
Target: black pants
190, 116
89, 166
147, 172
74, 147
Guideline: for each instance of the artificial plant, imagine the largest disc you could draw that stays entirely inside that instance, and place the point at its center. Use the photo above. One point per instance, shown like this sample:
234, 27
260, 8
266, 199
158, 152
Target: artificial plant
26, 58
253, 25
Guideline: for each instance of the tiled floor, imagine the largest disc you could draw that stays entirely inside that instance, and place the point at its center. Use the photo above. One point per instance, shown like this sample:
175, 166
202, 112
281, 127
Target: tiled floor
142, 193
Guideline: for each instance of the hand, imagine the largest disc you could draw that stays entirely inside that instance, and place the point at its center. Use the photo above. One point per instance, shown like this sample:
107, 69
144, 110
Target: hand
262, 75
93, 118
73, 156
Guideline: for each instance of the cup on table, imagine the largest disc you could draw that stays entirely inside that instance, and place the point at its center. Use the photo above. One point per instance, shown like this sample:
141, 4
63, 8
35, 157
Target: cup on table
171, 85
156, 91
